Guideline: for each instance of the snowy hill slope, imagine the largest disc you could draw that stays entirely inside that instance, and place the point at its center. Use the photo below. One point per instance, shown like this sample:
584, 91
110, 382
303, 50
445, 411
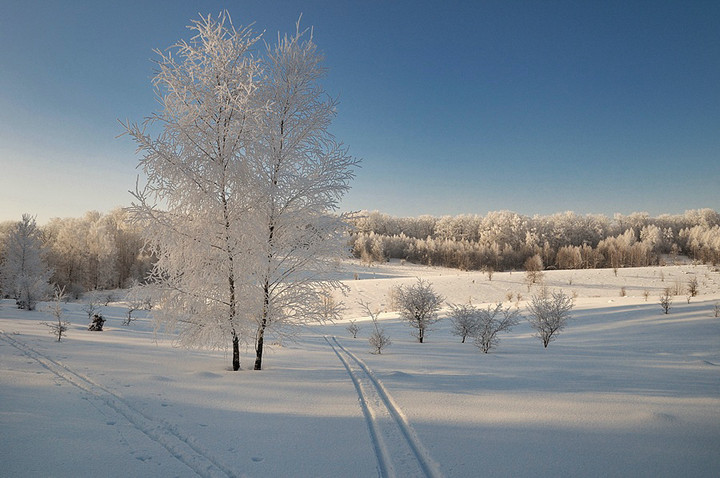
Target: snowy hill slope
624, 391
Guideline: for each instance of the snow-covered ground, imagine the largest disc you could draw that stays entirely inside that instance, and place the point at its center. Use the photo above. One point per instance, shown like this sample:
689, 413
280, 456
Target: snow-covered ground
625, 390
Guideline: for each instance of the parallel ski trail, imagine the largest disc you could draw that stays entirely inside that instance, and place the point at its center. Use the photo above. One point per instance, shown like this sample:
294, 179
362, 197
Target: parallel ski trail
181, 446
398, 449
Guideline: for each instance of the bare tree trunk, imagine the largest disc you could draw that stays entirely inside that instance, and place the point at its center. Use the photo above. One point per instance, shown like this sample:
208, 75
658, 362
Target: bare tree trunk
261, 330
236, 352
259, 346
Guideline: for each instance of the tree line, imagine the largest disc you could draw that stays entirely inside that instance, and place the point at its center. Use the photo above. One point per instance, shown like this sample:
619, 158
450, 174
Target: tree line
96, 251
506, 240
105, 251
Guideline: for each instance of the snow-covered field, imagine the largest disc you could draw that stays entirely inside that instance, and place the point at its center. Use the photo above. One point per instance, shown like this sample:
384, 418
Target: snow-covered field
625, 390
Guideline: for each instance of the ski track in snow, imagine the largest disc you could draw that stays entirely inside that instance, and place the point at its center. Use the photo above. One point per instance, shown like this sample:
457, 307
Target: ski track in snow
181, 446
398, 450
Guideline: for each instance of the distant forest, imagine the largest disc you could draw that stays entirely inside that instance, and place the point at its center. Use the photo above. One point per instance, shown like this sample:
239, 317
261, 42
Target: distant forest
505, 240
96, 251
105, 251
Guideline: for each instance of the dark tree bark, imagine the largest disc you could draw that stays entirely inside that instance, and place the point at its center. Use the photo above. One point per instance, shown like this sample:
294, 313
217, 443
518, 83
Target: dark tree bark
259, 347
236, 353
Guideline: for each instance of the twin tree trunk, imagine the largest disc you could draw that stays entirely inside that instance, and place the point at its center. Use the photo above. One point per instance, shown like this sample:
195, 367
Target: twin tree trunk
258, 346
217, 137
258, 349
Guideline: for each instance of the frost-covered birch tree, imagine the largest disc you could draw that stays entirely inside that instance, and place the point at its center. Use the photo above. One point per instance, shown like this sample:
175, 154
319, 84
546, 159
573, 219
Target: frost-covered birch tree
241, 183
24, 273
194, 204
299, 173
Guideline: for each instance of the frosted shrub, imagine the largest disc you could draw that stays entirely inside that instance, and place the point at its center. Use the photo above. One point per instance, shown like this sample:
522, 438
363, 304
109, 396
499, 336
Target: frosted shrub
665, 301
464, 320
59, 327
491, 321
418, 305
132, 306
353, 328
109, 297
677, 288
330, 309
548, 315
533, 268
378, 339
90, 308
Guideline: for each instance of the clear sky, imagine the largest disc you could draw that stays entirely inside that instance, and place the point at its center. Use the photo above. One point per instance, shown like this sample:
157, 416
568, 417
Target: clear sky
454, 107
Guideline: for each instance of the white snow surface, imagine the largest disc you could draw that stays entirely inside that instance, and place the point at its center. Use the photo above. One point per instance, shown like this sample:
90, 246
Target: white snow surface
625, 390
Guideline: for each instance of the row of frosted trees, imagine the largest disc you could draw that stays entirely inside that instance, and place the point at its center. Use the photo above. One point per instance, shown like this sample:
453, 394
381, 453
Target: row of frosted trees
96, 251
104, 251
505, 240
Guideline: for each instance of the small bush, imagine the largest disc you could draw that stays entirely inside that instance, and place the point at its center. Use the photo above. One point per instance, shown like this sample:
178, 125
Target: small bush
418, 305
378, 339
549, 315
666, 300
330, 309
90, 308
109, 297
464, 320
353, 328
492, 321
59, 327
97, 323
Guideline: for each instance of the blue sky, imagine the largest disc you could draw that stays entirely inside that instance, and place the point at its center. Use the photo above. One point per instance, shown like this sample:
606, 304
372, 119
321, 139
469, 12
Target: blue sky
453, 107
